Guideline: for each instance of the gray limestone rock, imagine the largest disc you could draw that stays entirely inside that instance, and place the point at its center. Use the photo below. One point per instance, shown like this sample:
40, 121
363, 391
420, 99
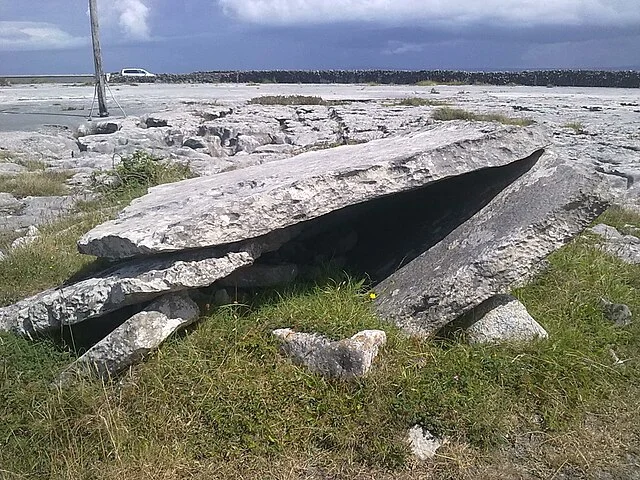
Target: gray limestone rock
132, 283
344, 359
499, 248
194, 143
618, 313
247, 203
39, 146
37, 211
503, 319
625, 247
423, 443
8, 168
9, 205
31, 236
137, 337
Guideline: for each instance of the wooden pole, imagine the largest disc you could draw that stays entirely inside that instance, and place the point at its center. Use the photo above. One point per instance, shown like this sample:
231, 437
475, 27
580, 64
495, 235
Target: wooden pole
97, 59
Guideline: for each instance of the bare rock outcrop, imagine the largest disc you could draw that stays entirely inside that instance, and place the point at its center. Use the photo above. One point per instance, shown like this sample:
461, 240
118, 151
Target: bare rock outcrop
624, 247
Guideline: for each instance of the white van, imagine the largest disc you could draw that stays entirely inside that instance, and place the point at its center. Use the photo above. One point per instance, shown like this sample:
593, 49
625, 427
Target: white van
136, 73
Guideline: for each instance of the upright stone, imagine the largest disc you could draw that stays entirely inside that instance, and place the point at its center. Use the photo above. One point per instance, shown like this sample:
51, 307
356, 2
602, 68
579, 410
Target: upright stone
499, 248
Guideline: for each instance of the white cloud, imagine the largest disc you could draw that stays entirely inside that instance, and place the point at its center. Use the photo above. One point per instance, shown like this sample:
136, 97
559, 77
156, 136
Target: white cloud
132, 16
36, 36
444, 12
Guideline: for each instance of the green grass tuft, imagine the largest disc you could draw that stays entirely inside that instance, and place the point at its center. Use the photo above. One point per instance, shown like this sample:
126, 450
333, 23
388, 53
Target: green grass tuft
577, 127
39, 183
448, 113
420, 102
287, 100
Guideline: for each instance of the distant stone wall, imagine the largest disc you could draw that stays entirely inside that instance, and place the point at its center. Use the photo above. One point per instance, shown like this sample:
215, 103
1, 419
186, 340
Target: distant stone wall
563, 78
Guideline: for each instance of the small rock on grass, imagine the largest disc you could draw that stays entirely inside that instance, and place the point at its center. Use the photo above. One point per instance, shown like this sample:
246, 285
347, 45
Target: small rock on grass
32, 235
423, 443
503, 318
618, 313
344, 359
625, 247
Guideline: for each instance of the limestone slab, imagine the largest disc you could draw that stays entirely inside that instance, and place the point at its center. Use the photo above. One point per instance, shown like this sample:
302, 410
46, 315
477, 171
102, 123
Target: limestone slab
133, 283
247, 203
137, 337
498, 249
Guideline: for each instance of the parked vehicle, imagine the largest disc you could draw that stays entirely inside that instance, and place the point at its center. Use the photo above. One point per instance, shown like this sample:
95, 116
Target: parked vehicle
136, 73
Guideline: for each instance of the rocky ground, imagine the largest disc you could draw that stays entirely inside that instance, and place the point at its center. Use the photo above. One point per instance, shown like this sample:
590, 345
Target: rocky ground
258, 217
214, 129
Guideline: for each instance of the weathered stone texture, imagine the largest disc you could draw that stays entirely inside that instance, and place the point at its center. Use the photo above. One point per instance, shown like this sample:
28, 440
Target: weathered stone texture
498, 249
345, 359
247, 203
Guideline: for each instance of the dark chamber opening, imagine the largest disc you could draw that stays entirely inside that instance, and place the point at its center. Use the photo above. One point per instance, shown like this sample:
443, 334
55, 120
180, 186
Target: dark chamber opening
378, 237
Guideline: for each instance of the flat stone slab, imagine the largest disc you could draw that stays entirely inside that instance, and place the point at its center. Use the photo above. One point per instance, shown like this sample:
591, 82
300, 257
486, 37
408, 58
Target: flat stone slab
137, 337
496, 250
129, 284
251, 202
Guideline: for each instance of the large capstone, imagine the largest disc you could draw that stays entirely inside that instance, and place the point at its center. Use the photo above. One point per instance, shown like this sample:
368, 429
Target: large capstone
254, 201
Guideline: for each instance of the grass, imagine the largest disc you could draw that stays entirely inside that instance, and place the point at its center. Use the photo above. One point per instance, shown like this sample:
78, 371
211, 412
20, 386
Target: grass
448, 113
219, 401
38, 183
420, 102
287, 100
577, 127
53, 258
31, 164
433, 83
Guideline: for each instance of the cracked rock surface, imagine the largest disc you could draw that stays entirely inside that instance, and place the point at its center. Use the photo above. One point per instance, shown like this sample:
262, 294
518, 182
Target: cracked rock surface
497, 249
253, 201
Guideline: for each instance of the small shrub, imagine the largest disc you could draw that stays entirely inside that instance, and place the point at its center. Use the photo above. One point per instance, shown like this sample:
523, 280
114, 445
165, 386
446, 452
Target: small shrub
139, 171
32, 165
287, 100
447, 114
576, 127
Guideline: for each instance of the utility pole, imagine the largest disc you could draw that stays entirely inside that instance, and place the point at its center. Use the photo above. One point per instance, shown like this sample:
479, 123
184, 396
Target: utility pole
97, 59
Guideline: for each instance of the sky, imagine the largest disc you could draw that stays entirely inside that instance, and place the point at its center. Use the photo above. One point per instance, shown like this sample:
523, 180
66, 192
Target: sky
180, 36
